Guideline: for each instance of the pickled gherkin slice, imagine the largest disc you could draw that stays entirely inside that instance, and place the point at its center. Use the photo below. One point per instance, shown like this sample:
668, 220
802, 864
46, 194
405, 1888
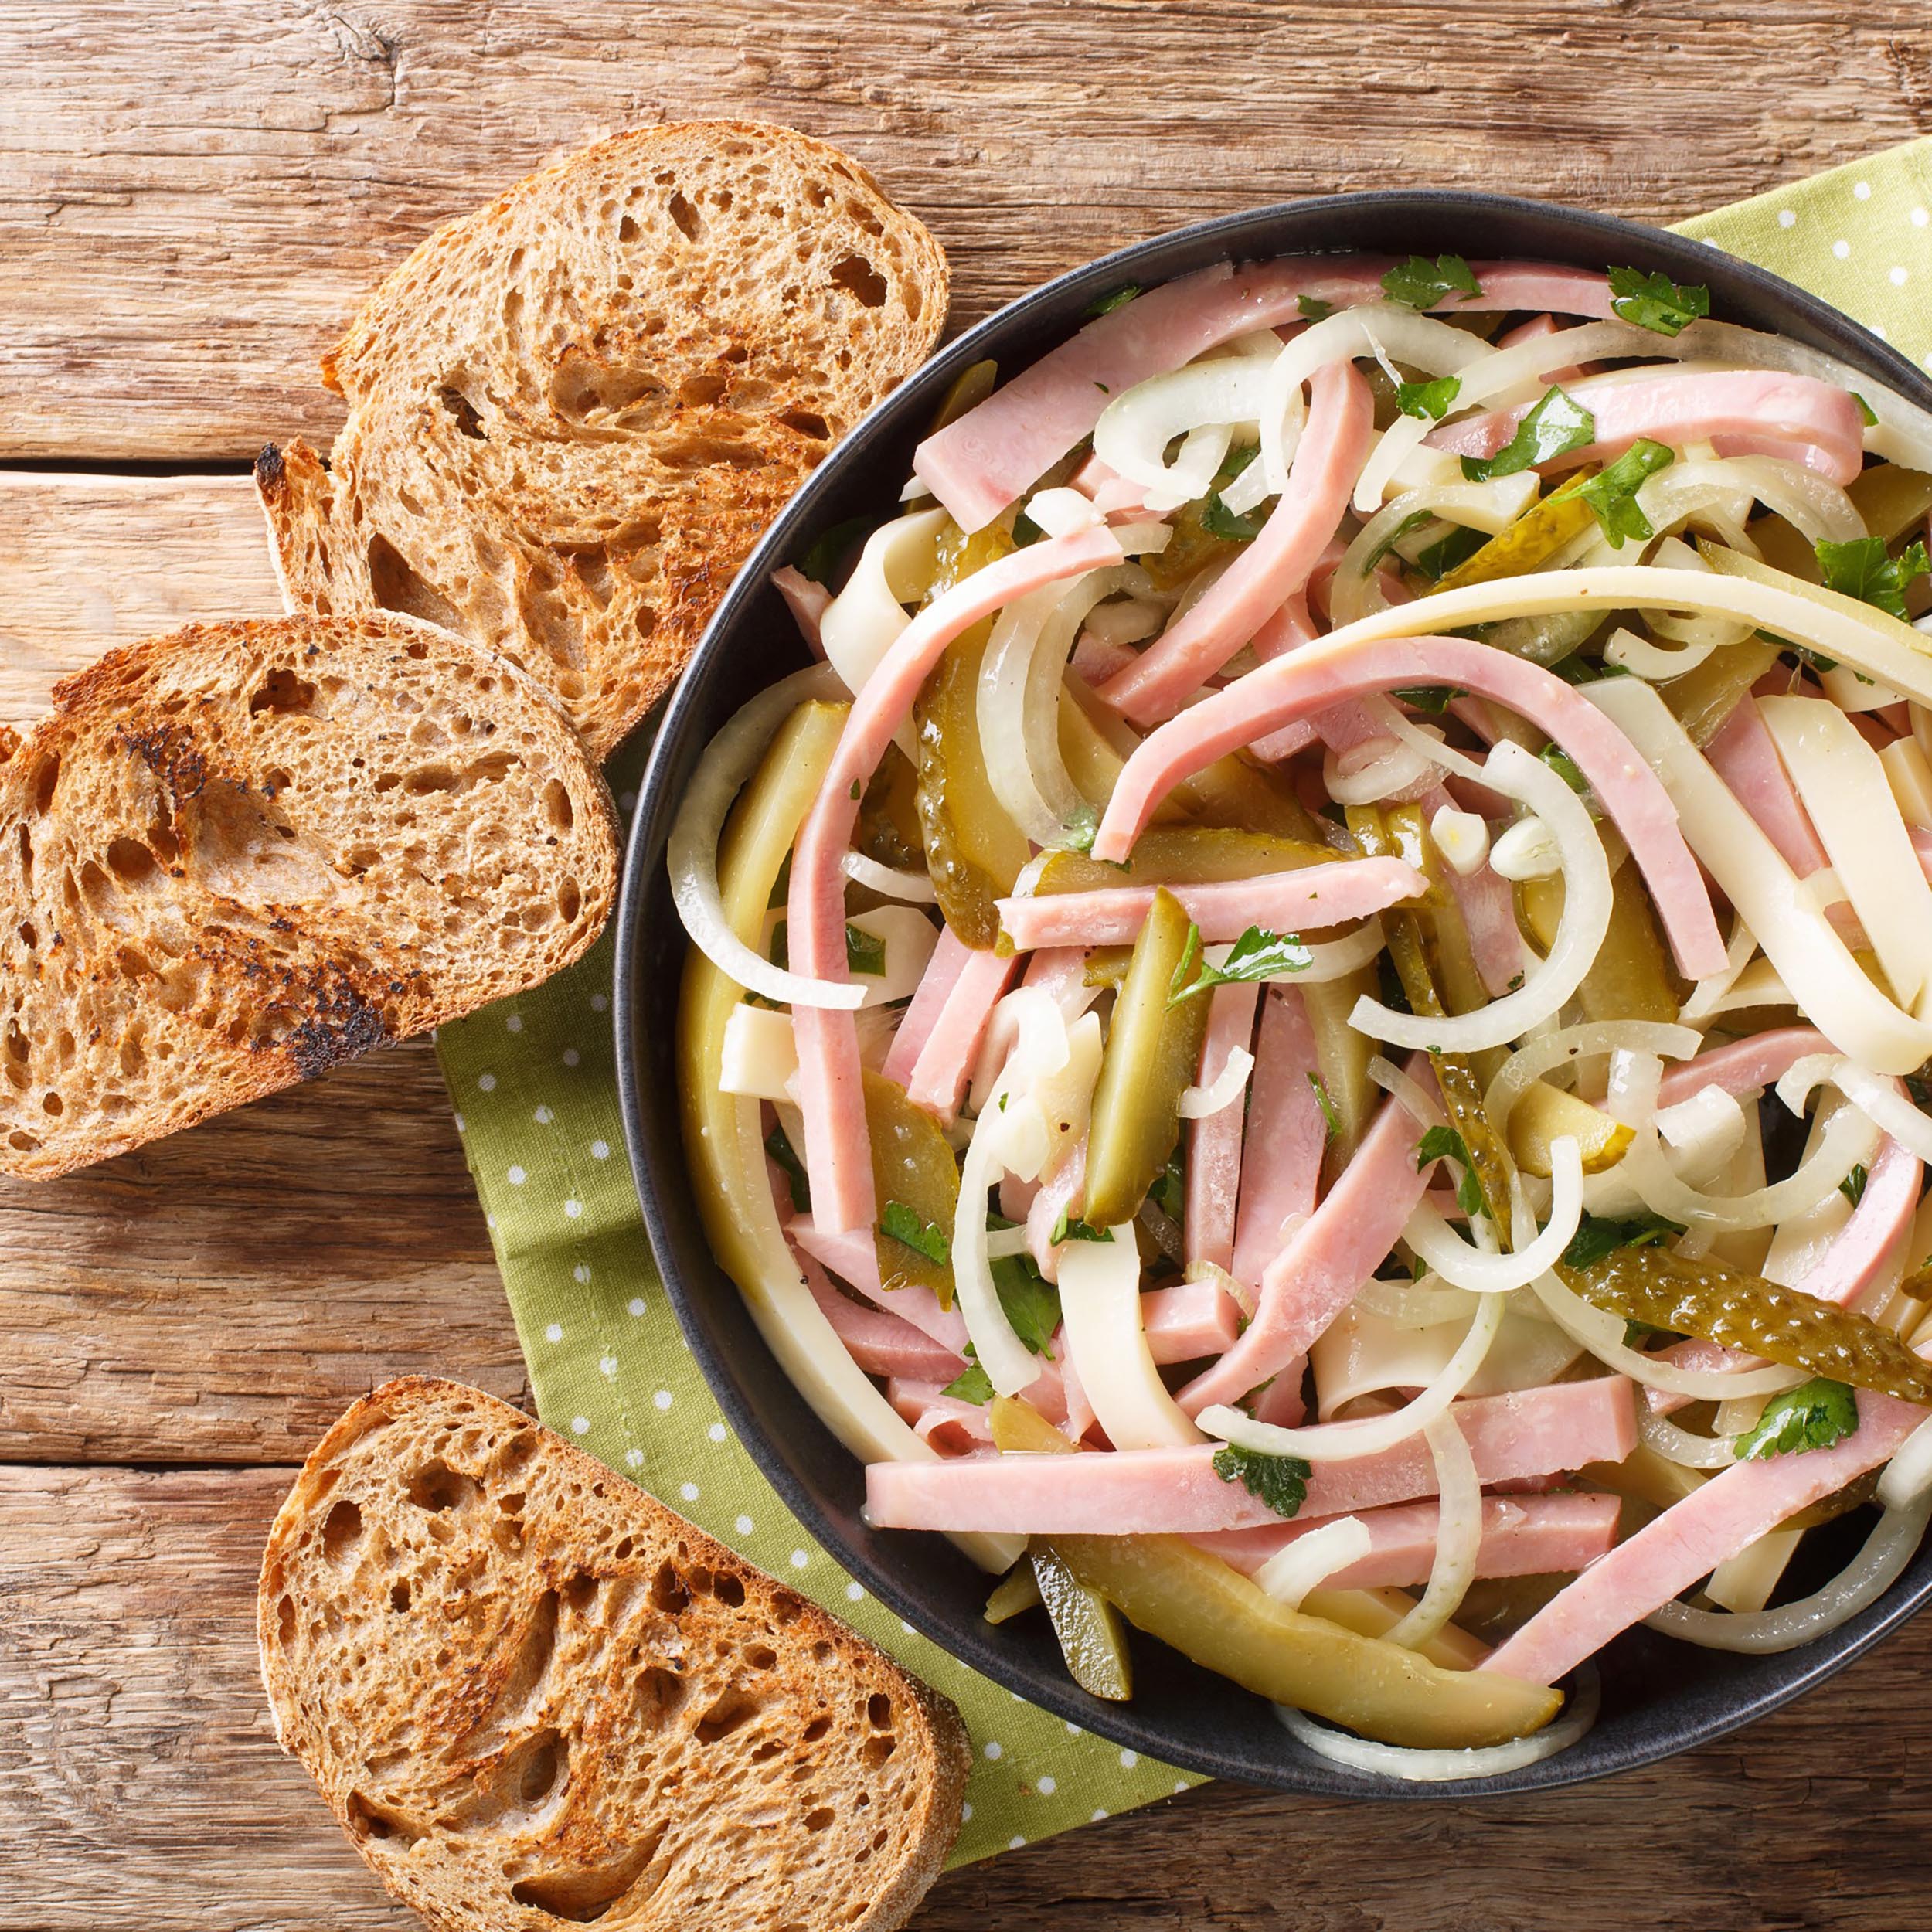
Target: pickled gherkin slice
912, 1165
1093, 1637
1153, 1051
1529, 543
1181, 855
1746, 1312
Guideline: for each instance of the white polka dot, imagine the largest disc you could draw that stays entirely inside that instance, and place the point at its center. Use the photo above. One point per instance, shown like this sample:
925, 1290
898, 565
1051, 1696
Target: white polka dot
906, 1627
1098, 1815
599, 1150
609, 1365
1129, 1759
743, 1526
799, 1559
514, 1024
966, 1814
1841, 248
1921, 216
634, 1457
486, 1083
1788, 217
579, 1425
634, 1306
571, 1056
662, 1399
572, 1209
581, 1272
599, 1003
1900, 276
489, 1221
992, 1748
855, 1592
1013, 1843
543, 1117
716, 1432
554, 1332
1180, 1787
1878, 329
689, 1491
1045, 1787
1073, 1730
1861, 191
516, 1177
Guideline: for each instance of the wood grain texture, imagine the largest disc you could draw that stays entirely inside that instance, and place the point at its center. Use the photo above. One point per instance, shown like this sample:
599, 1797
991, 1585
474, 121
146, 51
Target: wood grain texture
142, 1787
89, 562
223, 1296
193, 200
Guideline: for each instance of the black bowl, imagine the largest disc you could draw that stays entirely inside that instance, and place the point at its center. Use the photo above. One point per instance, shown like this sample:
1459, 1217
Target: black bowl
1659, 1696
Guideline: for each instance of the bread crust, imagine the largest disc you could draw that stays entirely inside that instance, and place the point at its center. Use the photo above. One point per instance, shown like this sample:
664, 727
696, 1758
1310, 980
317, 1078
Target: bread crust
572, 414
531, 1694
234, 855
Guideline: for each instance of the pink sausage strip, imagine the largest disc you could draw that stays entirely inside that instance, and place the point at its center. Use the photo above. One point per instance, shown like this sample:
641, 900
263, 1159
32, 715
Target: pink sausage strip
1284, 902
950, 959
1309, 680
1745, 756
1691, 1539
806, 601
1488, 908
1058, 1195
1323, 1268
1289, 1134
952, 1427
939, 1077
1188, 1321
1214, 1144
837, 1151
1750, 412
980, 463
853, 1257
1270, 569
1161, 1491
1744, 1067
1527, 1536
881, 1344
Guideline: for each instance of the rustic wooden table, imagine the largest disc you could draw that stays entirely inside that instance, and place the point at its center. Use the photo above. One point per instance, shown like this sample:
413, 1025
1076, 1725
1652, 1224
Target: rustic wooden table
193, 198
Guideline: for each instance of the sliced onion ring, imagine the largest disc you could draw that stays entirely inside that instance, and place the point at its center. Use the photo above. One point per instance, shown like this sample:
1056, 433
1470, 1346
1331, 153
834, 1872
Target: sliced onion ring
888, 882
1464, 1266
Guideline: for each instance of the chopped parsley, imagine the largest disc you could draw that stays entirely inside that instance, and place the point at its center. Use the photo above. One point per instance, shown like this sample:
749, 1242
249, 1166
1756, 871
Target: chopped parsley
1653, 302
1611, 493
1450, 552
1553, 428
1867, 414
864, 952
821, 559
1813, 1416
1565, 767
1597, 1235
1861, 569
779, 1148
1331, 1119
1428, 401
1025, 532
1413, 521
1313, 308
1578, 669
1258, 954
1216, 518
1852, 1186
1031, 1303
1434, 699
1421, 284
1444, 1143
1280, 1482
907, 1225
1169, 1191
1066, 1230
1077, 834
1119, 298
974, 1386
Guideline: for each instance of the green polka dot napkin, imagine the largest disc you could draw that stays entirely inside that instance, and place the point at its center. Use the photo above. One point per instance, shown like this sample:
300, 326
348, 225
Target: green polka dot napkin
534, 1084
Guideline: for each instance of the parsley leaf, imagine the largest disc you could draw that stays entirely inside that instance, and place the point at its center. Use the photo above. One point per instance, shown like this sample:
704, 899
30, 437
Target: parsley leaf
1653, 302
1280, 1482
1434, 699
1611, 493
1861, 569
1025, 532
1258, 954
1553, 428
1032, 1302
1852, 1186
1329, 1114
1444, 1143
908, 1224
974, 1386
1596, 1237
1419, 283
779, 1148
1867, 414
1813, 1416
1428, 400
1578, 669
1446, 552
1106, 304
1216, 519
864, 952
1077, 834
1066, 1230
1314, 308
1565, 767
1413, 521
1169, 1191
821, 559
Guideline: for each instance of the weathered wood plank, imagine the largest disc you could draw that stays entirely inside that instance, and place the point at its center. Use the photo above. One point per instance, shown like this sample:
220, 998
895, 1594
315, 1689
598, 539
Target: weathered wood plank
143, 1788
223, 1296
89, 562
193, 200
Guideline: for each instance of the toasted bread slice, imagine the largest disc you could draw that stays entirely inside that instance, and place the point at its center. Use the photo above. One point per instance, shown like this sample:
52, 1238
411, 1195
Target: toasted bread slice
572, 414
233, 856
531, 1694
